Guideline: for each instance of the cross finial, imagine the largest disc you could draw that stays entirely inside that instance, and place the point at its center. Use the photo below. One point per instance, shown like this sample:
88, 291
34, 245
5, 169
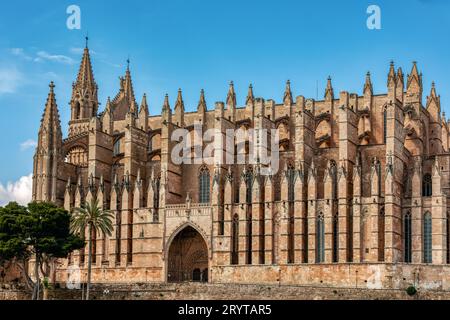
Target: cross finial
128, 63
87, 40
52, 86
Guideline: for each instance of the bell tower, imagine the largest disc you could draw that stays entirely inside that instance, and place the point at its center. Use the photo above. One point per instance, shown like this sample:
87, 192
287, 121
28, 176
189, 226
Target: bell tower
84, 101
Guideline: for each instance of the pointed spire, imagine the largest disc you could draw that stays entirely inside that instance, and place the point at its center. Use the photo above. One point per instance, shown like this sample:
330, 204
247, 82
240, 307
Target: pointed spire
434, 100
231, 97
108, 105
202, 107
250, 96
288, 94
414, 77
128, 85
50, 119
433, 90
400, 77
368, 88
391, 75
166, 105
180, 103
144, 104
85, 74
329, 93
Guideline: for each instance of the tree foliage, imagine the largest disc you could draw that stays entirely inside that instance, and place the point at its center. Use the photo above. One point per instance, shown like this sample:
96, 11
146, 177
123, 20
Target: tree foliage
41, 230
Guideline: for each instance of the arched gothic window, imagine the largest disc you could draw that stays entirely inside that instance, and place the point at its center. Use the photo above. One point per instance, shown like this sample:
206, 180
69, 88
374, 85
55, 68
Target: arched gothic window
320, 239
427, 238
407, 231
427, 186
385, 125
204, 185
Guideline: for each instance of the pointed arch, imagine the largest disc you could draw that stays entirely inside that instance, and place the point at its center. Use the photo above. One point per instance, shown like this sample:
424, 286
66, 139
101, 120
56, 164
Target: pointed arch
187, 254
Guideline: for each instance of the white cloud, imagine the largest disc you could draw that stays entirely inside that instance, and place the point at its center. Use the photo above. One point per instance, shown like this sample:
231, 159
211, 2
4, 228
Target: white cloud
19, 191
10, 79
45, 56
20, 52
29, 144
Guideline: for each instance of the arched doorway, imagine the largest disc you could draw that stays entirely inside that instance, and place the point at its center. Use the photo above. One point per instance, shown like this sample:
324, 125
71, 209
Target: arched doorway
188, 257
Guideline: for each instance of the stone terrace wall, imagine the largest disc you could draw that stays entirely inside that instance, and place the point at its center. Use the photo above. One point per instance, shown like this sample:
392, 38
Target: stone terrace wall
195, 291
367, 276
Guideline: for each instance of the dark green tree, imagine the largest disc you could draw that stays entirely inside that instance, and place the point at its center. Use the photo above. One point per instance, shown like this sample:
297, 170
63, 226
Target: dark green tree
42, 231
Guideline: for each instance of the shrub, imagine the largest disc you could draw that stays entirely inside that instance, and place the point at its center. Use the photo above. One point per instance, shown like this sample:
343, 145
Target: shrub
411, 291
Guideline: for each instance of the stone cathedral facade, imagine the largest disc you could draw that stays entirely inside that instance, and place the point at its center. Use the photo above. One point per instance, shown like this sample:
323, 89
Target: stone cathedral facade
361, 197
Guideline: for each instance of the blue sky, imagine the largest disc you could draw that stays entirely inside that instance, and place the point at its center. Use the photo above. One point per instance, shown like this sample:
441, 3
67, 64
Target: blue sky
204, 44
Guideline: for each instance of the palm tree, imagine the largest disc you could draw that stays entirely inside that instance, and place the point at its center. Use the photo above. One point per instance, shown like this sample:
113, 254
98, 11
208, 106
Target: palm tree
90, 216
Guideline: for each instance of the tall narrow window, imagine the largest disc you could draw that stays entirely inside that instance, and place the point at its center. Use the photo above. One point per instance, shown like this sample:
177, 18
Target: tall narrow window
117, 148
320, 239
235, 240
156, 190
427, 238
249, 236
427, 186
381, 229
336, 237
350, 235
291, 181
291, 242
249, 183
407, 231
385, 126
204, 185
